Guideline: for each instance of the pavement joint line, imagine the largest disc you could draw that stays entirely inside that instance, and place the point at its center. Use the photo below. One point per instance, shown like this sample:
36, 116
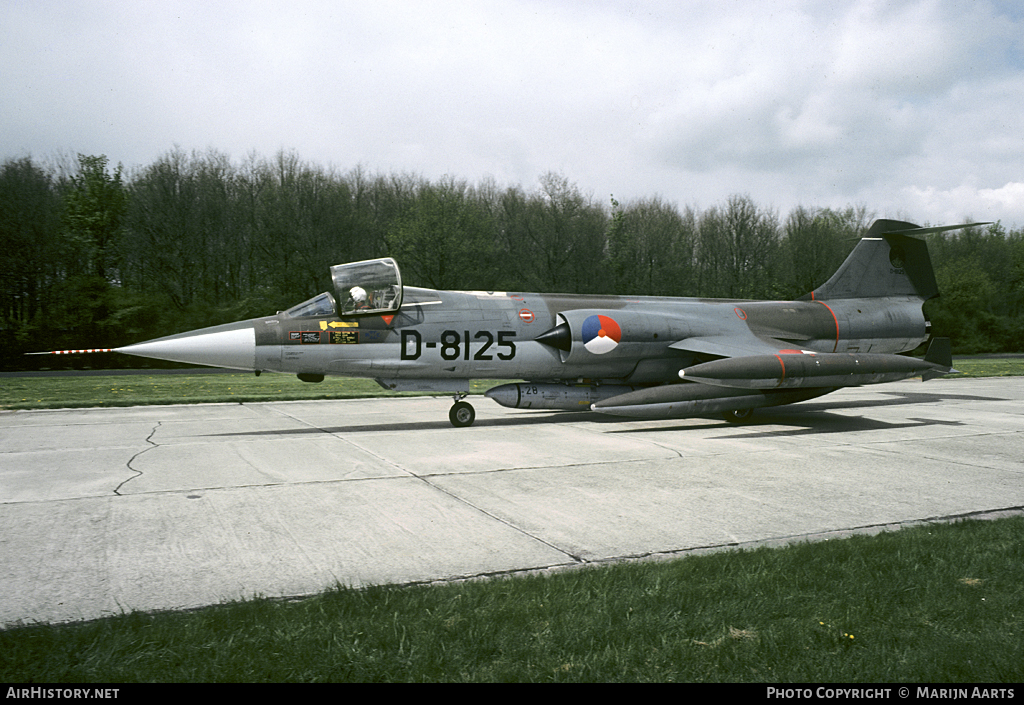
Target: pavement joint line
968, 462
425, 480
985, 448
297, 483
873, 445
347, 440
673, 554
590, 428
771, 542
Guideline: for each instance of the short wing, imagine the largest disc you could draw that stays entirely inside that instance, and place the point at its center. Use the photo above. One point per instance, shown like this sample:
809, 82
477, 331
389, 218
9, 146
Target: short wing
731, 345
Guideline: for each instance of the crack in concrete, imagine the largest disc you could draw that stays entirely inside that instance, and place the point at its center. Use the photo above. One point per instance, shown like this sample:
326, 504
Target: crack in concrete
138, 473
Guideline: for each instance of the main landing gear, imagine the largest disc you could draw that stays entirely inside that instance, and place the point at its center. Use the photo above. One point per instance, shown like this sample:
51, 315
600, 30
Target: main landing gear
462, 413
738, 415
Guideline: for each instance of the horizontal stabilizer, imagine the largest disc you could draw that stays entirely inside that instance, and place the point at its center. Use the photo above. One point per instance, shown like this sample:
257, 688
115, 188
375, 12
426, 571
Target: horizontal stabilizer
940, 353
923, 231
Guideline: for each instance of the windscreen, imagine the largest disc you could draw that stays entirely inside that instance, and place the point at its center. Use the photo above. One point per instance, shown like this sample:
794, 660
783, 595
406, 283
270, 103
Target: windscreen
319, 306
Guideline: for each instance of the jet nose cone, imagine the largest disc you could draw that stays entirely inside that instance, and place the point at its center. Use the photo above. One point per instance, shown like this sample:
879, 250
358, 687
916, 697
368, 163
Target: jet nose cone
497, 392
505, 394
231, 346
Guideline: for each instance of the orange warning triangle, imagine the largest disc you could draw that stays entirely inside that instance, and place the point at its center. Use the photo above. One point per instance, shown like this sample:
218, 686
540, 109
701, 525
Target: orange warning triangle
387, 320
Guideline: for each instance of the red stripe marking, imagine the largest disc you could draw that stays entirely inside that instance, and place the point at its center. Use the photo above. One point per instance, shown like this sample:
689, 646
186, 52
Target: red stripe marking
836, 346
783, 379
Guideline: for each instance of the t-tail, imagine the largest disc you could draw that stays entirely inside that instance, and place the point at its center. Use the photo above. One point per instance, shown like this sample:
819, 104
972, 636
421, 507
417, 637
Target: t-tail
888, 261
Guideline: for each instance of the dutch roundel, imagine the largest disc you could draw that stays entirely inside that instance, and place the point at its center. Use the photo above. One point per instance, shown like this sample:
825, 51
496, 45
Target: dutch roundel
600, 334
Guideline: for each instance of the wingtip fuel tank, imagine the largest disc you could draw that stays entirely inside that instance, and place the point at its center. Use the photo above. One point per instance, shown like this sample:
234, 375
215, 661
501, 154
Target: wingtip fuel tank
795, 369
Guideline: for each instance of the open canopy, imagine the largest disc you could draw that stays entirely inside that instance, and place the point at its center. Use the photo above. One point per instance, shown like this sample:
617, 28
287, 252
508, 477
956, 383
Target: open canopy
369, 287
372, 286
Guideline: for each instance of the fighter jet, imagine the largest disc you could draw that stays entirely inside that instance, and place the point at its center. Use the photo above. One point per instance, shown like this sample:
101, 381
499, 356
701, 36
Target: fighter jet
638, 356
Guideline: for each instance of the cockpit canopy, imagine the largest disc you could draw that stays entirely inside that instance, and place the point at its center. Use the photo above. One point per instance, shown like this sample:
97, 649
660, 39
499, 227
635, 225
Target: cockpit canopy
372, 286
369, 287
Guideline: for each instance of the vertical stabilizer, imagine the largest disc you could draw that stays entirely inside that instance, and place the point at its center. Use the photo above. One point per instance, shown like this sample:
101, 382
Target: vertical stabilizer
886, 262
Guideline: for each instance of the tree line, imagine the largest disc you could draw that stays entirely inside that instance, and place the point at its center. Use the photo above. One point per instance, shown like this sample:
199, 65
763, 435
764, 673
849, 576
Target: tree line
93, 256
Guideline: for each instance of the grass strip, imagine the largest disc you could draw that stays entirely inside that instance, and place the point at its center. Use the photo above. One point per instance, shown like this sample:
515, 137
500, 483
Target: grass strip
135, 390
935, 603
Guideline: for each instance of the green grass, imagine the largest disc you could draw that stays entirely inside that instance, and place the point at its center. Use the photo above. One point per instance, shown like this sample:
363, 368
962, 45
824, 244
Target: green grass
988, 367
936, 603
132, 390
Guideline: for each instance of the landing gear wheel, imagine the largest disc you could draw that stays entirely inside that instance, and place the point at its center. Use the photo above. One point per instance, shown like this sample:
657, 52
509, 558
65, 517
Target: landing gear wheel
738, 415
462, 414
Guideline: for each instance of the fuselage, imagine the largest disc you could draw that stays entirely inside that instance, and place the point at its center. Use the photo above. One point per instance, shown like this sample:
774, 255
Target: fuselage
632, 355
459, 335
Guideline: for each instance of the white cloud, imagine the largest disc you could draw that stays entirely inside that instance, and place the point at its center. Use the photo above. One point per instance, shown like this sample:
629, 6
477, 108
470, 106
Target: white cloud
794, 102
969, 201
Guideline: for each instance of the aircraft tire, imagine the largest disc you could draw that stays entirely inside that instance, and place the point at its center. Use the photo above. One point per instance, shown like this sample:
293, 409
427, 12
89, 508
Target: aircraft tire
738, 415
462, 414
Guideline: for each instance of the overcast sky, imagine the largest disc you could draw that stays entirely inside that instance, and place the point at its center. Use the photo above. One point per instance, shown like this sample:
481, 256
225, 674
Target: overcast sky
913, 109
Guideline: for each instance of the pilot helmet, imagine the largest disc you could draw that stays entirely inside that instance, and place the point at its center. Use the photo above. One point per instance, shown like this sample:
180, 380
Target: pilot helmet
358, 294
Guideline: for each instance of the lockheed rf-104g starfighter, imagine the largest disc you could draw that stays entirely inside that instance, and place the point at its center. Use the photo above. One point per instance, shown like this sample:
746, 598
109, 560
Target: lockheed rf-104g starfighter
639, 356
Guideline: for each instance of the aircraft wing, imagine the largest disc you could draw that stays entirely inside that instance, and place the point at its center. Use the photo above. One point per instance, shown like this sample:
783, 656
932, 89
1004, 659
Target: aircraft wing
732, 345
